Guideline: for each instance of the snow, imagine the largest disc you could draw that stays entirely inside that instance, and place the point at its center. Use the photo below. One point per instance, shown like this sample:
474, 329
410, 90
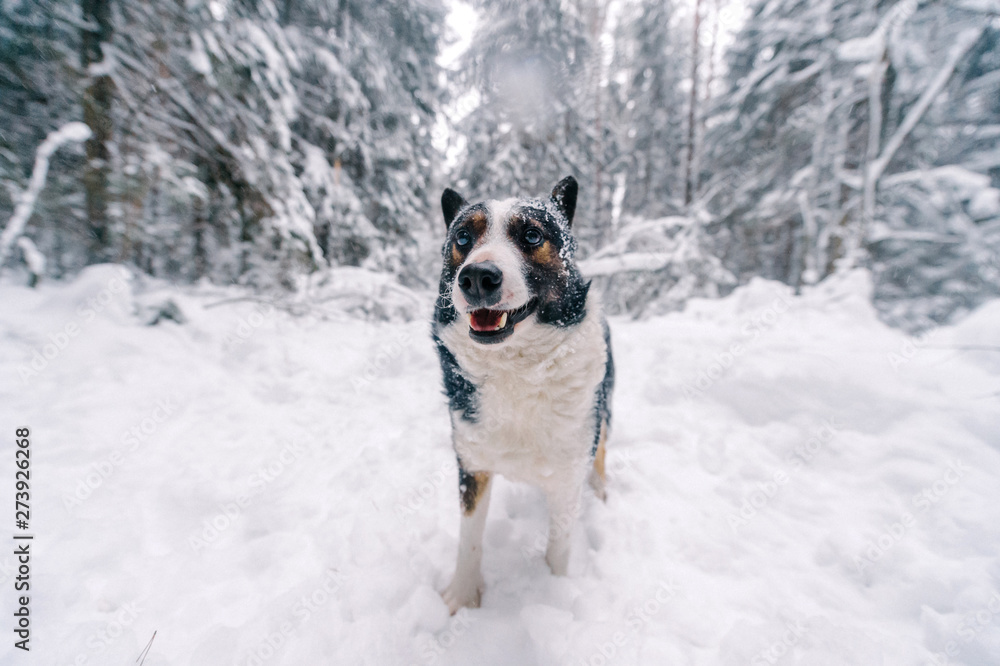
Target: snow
985, 204
961, 183
198, 57
460, 23
634, 261
862, 49
790, 482
32, 257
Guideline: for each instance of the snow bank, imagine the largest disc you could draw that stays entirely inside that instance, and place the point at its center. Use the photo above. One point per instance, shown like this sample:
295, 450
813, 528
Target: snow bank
791, 482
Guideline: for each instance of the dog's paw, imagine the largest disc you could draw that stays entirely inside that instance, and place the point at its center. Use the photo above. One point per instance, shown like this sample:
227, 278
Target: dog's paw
462, 595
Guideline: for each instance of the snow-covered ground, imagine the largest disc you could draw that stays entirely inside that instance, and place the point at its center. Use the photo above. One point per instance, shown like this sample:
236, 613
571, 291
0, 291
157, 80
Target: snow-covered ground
791, 482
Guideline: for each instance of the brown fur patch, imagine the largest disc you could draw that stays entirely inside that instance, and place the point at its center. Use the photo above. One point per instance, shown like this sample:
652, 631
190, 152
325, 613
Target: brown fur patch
456, 255
479, 223
544, 254
475, 485
599, 455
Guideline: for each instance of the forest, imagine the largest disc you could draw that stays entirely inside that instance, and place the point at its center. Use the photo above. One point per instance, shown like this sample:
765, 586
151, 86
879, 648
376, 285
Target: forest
262, 142
221, 403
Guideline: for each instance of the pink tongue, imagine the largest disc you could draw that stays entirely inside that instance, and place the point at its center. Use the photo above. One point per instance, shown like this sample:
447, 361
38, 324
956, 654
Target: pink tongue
485, 320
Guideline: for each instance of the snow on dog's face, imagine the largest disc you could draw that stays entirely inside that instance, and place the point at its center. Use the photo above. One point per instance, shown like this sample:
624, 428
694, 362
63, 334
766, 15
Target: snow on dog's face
509, 264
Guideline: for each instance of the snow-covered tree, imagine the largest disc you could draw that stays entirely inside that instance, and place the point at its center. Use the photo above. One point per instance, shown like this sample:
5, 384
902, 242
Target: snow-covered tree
935, 234
650, 107
657, 252
39, 92
258, 140
784, 127
827, 103
238, 140
534, 122
369, 92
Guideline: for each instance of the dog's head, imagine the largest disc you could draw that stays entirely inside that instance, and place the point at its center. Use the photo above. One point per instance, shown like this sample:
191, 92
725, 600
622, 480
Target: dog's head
509, 265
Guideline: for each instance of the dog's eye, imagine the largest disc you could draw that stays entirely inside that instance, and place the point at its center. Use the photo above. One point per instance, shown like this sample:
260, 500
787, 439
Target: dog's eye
462, 238
532, 236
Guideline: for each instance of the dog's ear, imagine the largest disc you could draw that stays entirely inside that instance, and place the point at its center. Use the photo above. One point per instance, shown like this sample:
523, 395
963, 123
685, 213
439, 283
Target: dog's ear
564, 197
451, 203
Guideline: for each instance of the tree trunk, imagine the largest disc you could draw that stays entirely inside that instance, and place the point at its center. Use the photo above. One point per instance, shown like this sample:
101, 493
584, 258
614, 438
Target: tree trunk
96, 103
876, 114
692, 106
597, 18
706, 102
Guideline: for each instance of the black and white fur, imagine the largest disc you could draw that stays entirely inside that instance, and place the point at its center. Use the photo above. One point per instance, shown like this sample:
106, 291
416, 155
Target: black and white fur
529, 393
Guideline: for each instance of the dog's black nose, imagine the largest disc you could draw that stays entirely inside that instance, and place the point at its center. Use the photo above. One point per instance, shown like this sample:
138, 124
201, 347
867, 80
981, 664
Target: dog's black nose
481, 283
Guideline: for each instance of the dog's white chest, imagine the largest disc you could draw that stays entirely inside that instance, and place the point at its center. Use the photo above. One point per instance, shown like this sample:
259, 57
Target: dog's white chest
535, 402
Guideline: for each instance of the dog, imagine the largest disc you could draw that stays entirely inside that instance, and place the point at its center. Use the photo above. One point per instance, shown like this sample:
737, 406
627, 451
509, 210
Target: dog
526, 357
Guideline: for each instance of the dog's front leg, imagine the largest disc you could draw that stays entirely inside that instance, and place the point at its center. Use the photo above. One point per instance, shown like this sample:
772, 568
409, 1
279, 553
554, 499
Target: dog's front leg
466, 587
564, 508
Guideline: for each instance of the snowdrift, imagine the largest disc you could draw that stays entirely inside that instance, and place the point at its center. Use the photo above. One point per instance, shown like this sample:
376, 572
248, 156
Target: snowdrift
790, 482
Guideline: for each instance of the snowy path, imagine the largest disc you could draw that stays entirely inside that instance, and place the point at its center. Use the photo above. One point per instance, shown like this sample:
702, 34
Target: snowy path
791, 483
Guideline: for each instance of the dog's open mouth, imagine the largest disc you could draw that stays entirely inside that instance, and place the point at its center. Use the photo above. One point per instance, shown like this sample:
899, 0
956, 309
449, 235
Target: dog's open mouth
489, 326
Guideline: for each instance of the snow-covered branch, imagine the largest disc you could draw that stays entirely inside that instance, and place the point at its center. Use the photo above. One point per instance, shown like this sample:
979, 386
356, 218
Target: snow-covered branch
962, 45
70, 132
877, 165
626, 263
32, 257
